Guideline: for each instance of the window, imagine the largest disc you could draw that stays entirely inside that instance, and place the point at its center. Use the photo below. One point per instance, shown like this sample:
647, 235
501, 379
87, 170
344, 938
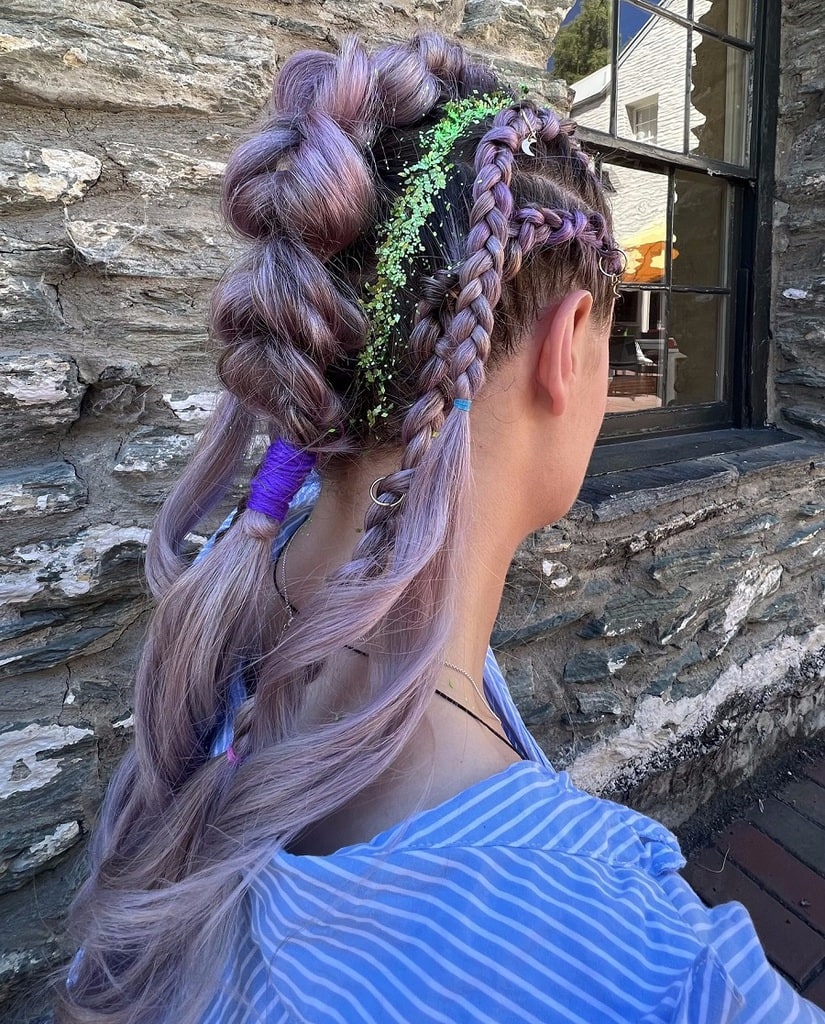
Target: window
674, 104
644, 120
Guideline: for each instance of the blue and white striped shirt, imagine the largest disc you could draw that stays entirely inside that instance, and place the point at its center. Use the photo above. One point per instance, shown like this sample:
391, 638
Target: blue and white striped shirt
521, 900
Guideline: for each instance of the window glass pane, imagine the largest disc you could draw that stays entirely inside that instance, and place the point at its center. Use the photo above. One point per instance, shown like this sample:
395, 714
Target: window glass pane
639, 203
582, 56
633, 21
666, 351
733, 17
638, 352
638, 339
700, 230
650, 102
695, 348
719, 100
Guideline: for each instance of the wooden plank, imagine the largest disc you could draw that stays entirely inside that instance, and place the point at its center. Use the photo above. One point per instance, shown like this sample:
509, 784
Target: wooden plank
782, 874
815, 990
789, 943
806, 797
803, 838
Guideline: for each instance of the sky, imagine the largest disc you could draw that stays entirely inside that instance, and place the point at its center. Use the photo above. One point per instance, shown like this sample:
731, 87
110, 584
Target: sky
631, 20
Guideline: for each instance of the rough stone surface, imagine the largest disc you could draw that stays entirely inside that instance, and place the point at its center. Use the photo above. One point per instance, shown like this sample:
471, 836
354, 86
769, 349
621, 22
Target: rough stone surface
799, 273
660, 640
38, 392
45, 175
595, 704
590, 666
40, 490
513, 28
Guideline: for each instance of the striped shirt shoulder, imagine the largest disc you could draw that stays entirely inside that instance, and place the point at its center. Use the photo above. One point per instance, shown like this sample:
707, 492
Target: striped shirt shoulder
520, 900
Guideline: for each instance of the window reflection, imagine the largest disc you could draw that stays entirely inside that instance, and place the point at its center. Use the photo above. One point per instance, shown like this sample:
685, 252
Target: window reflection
582, 57
733, 17
639, 203
651, 78
697, 326
667, 348
681, 84
719, 100
677, 88
641, 368
638, 339
700, 227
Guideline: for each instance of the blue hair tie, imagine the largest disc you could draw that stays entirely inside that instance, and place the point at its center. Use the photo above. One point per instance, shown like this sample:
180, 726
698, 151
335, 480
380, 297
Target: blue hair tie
279, 478
463, 404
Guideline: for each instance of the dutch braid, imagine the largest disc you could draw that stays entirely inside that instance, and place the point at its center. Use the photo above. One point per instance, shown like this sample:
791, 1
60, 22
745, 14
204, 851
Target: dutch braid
448, 75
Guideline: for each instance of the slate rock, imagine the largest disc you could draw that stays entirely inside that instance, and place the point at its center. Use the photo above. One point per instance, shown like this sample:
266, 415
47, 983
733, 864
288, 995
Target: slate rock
39, 392
633, 609
594, 665
690, 655
40, 490
33, 175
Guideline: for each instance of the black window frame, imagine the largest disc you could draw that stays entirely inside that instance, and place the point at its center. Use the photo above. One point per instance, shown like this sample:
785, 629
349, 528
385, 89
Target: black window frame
748, 331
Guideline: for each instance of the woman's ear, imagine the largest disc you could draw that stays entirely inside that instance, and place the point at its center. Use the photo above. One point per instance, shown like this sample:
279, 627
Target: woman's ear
562, 335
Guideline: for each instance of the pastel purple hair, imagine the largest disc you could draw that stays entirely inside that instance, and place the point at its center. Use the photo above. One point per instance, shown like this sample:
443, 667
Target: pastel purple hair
182, 834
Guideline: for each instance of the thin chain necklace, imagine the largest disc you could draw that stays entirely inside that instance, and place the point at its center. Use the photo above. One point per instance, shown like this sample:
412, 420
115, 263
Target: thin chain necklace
292, 611
474, 684
289, 608
466, 710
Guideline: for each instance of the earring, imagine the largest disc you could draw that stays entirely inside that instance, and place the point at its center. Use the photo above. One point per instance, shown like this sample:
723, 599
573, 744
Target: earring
530, 140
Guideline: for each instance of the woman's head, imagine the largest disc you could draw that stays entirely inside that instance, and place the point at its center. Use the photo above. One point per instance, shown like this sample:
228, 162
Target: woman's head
409, 219
349, 253
412, 230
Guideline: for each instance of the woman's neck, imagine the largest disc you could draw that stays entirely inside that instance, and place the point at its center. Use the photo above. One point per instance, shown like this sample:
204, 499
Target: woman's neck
336, 525
449, 752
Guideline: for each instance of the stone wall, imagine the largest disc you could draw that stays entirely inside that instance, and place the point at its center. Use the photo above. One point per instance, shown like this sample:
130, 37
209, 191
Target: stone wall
799, 282
669, 626
666, 637
117, 119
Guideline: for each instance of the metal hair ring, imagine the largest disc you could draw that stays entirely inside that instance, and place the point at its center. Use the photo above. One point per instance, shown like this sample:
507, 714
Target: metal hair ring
615, 278
377, 501
529, 141
612, 255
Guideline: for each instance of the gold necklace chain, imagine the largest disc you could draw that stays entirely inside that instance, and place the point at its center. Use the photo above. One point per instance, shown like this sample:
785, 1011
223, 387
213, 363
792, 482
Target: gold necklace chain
475, 686
288, 606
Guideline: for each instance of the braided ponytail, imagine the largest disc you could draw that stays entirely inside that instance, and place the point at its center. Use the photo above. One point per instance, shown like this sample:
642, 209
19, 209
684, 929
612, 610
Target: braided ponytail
183, 833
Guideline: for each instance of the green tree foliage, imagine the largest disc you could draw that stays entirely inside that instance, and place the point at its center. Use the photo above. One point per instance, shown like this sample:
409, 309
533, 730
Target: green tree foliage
583, 45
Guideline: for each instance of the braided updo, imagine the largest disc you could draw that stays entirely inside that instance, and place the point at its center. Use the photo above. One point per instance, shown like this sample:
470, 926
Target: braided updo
313, 186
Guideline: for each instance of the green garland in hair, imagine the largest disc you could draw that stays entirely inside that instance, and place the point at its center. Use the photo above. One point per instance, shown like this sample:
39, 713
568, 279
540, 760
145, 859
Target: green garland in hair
400, 239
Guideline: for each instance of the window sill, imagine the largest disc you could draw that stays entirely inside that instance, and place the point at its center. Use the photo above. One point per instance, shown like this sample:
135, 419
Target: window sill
630, 477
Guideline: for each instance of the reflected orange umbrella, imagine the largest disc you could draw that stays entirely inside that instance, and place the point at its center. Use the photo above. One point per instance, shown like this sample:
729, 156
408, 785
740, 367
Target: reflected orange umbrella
646, 255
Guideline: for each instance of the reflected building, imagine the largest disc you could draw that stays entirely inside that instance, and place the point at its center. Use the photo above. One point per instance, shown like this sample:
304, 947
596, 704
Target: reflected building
676, 86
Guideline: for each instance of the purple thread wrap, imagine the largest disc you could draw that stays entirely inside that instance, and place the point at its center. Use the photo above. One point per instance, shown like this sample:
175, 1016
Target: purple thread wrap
278, 480
231, 756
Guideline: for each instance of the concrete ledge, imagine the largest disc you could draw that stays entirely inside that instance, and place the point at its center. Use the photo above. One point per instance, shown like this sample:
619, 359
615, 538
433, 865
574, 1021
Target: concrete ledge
627, 478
